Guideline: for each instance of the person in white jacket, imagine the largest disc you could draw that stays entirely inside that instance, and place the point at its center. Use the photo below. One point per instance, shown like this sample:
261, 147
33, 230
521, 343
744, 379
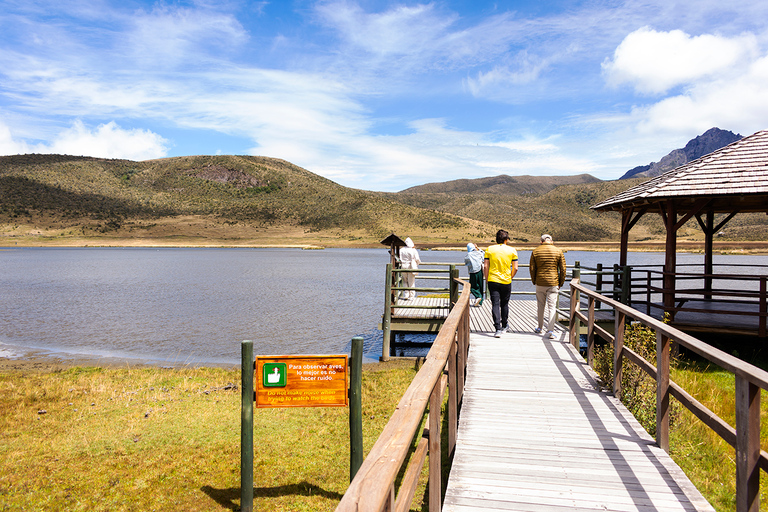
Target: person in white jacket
409, 259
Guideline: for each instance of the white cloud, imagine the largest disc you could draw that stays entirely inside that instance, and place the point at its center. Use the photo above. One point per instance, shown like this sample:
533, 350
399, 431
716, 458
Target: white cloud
655, 62
740, 101
107, 141
9, 146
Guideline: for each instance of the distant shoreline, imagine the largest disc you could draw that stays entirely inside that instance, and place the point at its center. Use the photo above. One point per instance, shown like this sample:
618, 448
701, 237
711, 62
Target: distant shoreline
720, 247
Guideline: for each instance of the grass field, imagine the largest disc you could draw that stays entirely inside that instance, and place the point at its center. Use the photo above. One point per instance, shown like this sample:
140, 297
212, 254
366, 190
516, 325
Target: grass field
89, 438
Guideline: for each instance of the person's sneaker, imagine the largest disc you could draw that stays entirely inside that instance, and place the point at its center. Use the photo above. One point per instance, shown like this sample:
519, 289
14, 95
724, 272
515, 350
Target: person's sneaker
498, 334
551, 335
537, 330
509, 329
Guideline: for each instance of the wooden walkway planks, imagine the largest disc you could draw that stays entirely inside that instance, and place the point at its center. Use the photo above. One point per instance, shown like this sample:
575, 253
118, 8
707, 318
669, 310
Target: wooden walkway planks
522, 315
536, 434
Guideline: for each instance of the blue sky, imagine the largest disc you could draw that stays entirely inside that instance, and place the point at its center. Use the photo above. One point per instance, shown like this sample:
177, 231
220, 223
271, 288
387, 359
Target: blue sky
382, 95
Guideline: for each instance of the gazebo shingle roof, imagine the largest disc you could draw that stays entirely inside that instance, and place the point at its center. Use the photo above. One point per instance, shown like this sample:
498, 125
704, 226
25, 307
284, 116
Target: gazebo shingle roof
733, 177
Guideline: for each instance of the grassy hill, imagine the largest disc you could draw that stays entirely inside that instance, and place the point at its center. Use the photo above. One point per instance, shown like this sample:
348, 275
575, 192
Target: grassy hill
202, 198
502, 185
246, 200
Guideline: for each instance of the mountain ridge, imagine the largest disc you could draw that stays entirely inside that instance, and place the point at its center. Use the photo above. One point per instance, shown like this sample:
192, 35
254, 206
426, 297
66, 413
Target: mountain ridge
709, 141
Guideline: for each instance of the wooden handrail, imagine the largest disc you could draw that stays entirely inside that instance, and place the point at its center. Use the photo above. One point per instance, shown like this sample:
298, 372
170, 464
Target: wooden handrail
750, 380
373, 488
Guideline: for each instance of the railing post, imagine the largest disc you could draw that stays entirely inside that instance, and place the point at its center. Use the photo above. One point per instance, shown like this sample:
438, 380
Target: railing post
648, 294
453, 275
618, 352
599, 284
435, 465
616, 294
386, 322
747, 446
763, 308
453, 396
662, 391
573, 324
246, 427
626, 285
591, 334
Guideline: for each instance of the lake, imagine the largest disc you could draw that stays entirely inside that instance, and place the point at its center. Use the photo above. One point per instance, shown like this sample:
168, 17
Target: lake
195, 305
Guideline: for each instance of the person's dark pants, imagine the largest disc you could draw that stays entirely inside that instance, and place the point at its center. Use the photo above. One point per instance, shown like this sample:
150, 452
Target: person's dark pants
500, 294
476, 284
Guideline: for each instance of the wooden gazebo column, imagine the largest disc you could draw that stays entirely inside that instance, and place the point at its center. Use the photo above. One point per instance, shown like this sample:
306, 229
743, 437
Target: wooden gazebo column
669, 216
709, 229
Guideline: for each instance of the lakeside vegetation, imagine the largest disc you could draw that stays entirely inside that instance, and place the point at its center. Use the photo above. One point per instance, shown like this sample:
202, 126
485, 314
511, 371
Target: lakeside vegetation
707, 460
136, 439
247, 200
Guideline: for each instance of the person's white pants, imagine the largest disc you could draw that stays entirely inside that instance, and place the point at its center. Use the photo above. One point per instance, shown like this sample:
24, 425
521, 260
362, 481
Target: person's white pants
409, 279
546, 298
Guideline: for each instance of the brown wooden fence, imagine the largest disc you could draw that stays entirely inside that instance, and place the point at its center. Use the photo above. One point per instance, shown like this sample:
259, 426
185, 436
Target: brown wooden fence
750, 380
373, 488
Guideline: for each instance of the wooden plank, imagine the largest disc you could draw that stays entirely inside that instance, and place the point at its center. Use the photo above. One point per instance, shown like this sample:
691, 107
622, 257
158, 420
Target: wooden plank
536, 433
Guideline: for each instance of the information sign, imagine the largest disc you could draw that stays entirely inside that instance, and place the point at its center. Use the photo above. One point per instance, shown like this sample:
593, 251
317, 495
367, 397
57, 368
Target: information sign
301, 381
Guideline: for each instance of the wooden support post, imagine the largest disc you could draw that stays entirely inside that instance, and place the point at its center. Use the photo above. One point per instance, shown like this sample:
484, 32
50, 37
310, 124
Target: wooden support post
626, 285
662, 391
747, 446
709, 233
435, 466
355, 407
761, 329
574, 323
453, 275
386, 322
670, 258
599, 283
618, 349
453, 397
246, 427
591, 334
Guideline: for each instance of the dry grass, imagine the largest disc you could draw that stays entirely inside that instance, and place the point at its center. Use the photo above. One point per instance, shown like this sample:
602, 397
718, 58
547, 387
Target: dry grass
161, 439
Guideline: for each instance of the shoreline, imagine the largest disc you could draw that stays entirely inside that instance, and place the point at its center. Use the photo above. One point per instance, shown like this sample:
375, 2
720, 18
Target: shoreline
683, 246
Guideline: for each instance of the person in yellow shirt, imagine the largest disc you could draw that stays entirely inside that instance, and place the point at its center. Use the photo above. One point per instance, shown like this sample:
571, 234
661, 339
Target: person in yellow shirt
499, 267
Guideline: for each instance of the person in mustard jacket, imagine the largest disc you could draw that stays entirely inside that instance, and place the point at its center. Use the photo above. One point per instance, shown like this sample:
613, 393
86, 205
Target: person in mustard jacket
547, 268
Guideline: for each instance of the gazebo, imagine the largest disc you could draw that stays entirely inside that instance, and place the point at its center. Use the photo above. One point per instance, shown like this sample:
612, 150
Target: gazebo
731, 180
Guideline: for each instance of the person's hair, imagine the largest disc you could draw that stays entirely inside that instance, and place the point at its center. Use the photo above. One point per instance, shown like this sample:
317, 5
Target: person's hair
501, 236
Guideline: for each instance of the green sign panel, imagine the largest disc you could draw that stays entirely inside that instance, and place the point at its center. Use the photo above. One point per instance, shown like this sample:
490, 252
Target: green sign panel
274, 375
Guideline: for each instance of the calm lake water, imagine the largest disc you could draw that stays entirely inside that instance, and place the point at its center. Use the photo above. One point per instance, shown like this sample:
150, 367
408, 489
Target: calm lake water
195, 306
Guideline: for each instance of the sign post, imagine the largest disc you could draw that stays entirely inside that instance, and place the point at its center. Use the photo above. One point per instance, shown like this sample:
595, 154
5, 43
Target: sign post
246, 428
298, 381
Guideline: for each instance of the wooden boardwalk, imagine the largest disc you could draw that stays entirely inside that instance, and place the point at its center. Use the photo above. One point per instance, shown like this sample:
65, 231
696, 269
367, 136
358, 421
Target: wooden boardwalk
522, 313
536, 434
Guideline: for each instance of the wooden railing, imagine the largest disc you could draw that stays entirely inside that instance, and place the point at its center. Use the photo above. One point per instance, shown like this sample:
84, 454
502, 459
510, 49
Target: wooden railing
373, 488
750, 380
743, 295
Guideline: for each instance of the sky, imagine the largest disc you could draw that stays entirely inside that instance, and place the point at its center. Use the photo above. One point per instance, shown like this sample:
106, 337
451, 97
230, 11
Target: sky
383, 95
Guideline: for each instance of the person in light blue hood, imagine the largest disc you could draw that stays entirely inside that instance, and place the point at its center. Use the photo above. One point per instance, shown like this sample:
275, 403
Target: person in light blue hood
474, 262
